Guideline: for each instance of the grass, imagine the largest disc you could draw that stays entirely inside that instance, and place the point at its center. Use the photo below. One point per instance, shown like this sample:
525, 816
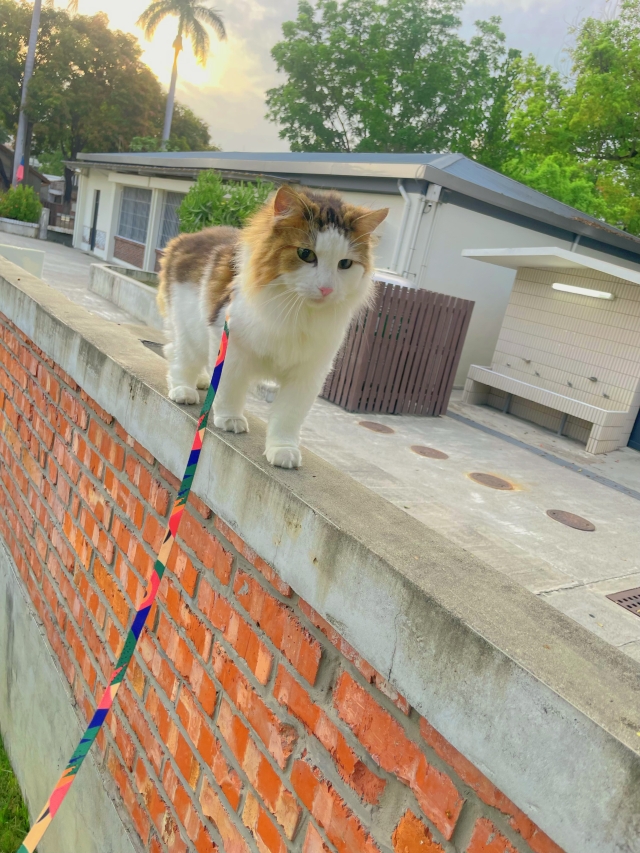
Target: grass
14, 817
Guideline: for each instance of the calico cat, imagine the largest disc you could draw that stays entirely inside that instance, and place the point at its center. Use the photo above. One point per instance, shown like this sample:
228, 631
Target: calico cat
291, 281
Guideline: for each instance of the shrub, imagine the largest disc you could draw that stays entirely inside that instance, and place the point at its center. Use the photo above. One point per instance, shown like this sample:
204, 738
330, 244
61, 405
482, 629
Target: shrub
20, 203
212, 201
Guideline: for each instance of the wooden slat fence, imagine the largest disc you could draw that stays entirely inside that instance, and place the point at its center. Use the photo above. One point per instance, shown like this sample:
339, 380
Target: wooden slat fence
401, 355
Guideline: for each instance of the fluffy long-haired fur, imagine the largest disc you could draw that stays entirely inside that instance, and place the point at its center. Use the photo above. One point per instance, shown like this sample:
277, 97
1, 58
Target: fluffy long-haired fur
291, 281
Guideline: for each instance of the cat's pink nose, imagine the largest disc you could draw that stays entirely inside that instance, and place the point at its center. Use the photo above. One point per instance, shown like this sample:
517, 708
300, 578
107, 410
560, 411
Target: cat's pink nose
325, 291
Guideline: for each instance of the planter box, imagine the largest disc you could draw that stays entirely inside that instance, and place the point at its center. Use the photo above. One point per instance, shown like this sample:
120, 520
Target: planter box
132, 290
22, 229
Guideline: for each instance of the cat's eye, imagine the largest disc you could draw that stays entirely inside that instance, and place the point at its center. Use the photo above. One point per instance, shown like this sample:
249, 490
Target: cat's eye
307, 255
345, 264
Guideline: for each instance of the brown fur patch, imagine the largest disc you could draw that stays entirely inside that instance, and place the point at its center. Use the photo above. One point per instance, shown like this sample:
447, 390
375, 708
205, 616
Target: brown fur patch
292, 219
187, 257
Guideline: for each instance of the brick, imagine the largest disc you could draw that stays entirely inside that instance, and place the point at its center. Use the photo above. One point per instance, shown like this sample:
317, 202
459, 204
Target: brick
127, 793
151, 489
203, 841
160, 668
153, 749
118, 603
390, 747
123, 435
48, 383
280, 624
183, 659
250, 555
109, 448
166, 475
104, 416
208, 747
206, 546
181, 800
278, 737
74, 409
129, 504
95, 500
487, 791
313, 842
96, 533
87, 456
236, 631
184, 616
153, 532
129, 581
200, 506
280, 802
412, 836
77, 540
265, 833
371, 675
355, 773
181, 566
122, 739
487, 839
212, 807
342, 827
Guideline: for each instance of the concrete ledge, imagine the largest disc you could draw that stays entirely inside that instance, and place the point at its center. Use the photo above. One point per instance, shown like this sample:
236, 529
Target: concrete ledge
135, 297
23, 229
41, 730
546, 710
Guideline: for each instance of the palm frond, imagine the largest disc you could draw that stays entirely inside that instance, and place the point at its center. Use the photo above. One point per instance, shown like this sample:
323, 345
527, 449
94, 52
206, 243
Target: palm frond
212, 18
72, 6
154, 14
199, 38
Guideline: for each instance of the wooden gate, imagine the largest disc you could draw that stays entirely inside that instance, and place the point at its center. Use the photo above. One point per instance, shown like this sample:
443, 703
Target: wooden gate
401, 355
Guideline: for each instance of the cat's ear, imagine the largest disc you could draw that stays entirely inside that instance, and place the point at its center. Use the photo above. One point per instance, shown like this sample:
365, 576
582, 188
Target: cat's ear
286, 202
368, 221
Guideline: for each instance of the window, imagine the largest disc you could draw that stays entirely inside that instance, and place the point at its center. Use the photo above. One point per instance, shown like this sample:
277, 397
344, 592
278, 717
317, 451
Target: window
134, 214
170, 226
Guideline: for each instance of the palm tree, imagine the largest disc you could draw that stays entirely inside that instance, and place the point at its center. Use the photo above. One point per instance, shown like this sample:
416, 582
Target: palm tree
193, 19
21, 132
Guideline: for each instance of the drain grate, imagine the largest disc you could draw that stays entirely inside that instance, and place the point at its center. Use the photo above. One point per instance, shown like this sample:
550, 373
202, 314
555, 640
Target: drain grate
628, 598
375, 427
428, 452
492, 481
571, 520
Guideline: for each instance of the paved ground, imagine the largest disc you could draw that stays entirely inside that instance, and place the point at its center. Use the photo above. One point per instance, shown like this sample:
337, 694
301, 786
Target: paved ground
68, 271
510, 530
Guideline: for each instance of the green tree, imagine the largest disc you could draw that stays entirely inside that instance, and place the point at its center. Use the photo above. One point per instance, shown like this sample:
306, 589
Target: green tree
389, 76
193, 20
579, 139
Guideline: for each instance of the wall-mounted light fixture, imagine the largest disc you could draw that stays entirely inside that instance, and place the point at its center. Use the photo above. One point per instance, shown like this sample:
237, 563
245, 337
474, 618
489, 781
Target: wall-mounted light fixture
583, 291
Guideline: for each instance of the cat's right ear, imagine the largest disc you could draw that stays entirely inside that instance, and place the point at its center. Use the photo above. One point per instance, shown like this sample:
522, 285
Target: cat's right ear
286, 202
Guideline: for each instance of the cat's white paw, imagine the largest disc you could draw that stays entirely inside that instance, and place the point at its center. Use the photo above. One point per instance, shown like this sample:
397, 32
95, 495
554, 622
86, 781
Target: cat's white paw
236, 425
203, 381
267, 391
184, 394
287, 456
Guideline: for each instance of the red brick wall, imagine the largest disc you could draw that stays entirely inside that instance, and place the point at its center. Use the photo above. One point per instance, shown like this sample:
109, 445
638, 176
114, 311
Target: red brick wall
129, 252
246, 723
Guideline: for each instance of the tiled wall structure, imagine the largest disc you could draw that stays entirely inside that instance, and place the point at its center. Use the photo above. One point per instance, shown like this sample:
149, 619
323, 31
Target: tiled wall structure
561, 342
246, 723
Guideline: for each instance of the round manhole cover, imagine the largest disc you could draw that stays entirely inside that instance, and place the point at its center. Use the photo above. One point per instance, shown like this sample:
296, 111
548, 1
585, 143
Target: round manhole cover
492, 481
428, 452
375, 427
571, 520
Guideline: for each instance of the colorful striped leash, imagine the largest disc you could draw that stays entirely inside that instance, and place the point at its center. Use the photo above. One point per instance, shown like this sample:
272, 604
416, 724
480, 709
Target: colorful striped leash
64, 783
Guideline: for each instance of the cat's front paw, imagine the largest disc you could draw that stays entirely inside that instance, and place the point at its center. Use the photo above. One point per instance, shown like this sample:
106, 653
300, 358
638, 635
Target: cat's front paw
236, 424
286, 456
203, 381
184, 394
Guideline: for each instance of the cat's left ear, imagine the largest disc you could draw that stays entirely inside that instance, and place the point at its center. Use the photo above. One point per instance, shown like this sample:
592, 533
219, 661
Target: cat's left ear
286, 202
369, 221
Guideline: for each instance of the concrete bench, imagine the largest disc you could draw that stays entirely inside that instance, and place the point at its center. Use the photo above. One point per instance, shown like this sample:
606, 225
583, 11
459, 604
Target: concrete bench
610, 428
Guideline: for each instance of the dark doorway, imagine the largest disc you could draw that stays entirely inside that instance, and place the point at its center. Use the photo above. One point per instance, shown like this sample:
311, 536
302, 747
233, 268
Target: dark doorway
634, 440
94, 225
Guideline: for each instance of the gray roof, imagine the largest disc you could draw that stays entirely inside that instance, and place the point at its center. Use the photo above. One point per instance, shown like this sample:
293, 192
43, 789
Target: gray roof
454, 172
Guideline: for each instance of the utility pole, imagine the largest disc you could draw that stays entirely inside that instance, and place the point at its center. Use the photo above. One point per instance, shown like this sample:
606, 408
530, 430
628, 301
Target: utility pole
21, 134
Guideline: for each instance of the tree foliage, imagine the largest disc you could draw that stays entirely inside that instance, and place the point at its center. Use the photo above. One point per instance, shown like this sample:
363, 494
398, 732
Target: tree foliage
90, 90
212, 201
369, 75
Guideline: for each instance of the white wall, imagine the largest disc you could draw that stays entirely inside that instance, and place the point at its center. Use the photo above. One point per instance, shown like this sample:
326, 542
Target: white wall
95, 180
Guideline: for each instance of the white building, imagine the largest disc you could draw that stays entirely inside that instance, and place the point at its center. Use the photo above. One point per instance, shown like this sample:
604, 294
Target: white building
441, 204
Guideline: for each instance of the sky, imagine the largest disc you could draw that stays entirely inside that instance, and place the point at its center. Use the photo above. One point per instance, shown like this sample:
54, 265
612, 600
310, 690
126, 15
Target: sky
229, 92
